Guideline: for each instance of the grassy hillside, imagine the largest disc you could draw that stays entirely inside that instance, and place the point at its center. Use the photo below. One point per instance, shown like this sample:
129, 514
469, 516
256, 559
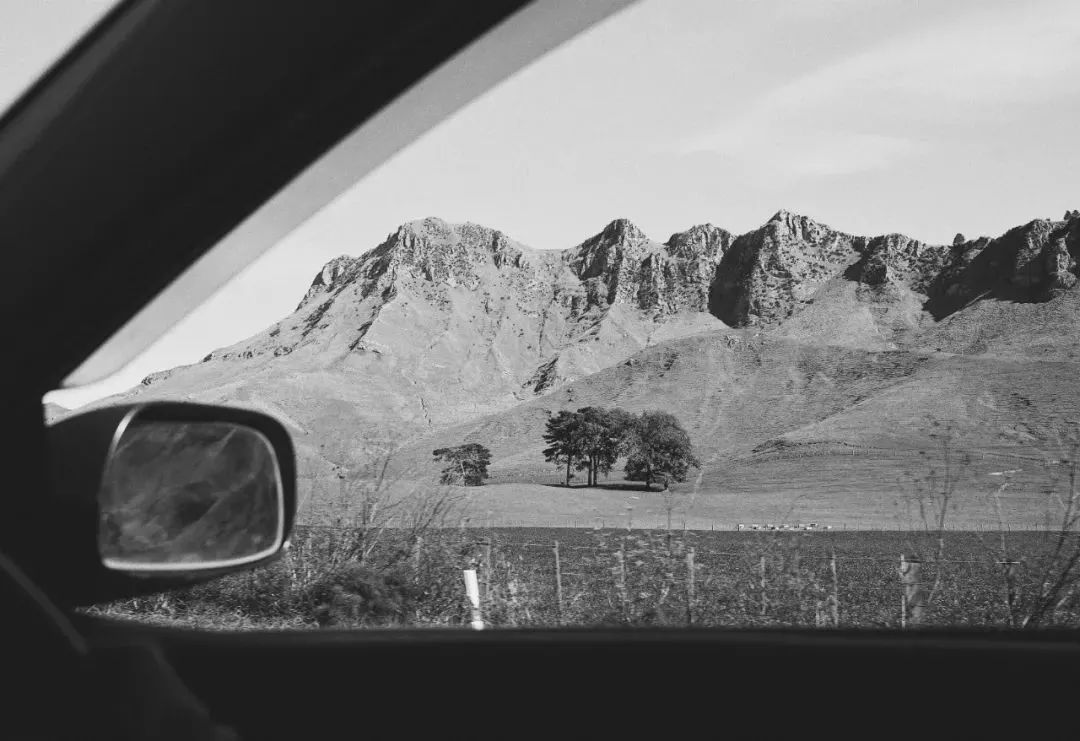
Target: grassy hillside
825, 432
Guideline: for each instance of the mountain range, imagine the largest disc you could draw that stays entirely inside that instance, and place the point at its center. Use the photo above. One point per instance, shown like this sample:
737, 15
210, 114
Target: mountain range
808, 364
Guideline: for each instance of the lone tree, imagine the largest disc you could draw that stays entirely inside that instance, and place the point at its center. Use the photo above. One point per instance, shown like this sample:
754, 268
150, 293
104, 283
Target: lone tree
658, 449
465, 464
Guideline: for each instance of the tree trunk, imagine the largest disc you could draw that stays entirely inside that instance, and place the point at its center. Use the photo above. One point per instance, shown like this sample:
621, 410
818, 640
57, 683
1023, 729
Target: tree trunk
567, 472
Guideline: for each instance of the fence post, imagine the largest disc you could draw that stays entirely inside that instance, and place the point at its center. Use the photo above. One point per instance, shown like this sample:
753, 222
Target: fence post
834, 596
487, 568
690, 586
621, 555
558, 585
913, 600
1009, 568
472, 591
764, 596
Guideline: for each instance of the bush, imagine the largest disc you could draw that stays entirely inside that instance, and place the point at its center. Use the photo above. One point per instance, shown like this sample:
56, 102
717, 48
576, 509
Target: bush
358, 596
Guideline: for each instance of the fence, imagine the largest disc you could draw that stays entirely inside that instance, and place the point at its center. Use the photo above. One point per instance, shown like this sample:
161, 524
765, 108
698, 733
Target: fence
745, 579
534, 578
776, 580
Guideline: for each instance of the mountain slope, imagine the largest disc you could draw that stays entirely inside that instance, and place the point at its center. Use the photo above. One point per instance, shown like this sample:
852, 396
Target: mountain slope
775, 420
792, 337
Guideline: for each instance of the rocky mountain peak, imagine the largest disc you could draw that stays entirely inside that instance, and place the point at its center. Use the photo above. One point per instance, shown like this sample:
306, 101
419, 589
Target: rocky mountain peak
430, 249
420, 243
443, 254
786, 224
702, 240
603, 254
622, 230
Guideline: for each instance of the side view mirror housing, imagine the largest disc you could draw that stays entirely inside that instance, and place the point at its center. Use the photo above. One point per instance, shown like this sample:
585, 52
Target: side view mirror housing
164, 494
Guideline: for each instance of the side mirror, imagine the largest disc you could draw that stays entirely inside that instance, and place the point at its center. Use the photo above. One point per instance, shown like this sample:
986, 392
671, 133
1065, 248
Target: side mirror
193, 495
163, 494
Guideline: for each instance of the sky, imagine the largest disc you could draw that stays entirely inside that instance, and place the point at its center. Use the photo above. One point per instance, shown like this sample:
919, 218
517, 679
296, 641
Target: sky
924, 118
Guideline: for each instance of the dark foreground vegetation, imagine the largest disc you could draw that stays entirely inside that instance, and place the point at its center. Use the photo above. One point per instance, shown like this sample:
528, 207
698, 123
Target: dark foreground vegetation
639, 578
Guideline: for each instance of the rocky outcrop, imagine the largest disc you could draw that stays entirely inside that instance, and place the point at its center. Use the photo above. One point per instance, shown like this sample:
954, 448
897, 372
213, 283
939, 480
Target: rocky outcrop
1059, 265
609, 263
1027, 264
622, 264
894, 258
330, 277
768, 273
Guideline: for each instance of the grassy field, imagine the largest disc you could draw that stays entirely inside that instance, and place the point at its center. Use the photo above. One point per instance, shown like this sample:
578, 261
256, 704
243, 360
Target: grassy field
855, 506
612, 577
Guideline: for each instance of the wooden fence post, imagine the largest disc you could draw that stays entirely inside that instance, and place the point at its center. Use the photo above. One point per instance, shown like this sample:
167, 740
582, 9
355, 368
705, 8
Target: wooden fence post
558, 585
1009, 567
419, 545
690, 586
834, 596
487, 569
913, 600
622, 580
764, 596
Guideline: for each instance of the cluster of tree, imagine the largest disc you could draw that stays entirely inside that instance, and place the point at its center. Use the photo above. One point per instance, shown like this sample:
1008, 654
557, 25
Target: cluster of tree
466, 465
653, 444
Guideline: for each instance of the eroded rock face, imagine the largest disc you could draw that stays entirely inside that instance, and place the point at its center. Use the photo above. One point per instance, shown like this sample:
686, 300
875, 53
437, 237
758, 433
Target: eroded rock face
894, 258
1060, 266
1029, 257
767, 273
621, 264
1026, 264
330, 277
608, 263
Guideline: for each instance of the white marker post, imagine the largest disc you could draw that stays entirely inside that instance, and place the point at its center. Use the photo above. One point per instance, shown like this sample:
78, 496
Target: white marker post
472, 589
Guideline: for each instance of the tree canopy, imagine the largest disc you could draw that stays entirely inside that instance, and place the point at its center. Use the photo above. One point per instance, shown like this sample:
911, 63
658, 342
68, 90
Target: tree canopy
593, 438
466, 464
658, 449
563, 438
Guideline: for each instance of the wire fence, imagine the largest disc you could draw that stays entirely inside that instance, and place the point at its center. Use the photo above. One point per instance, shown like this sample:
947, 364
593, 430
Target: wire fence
350, 577
664, 577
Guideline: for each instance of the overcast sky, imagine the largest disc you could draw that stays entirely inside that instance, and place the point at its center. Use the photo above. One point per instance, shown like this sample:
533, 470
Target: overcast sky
926, 118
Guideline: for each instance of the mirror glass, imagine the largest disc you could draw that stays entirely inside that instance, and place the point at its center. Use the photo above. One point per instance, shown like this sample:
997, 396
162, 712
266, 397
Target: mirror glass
189, 495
